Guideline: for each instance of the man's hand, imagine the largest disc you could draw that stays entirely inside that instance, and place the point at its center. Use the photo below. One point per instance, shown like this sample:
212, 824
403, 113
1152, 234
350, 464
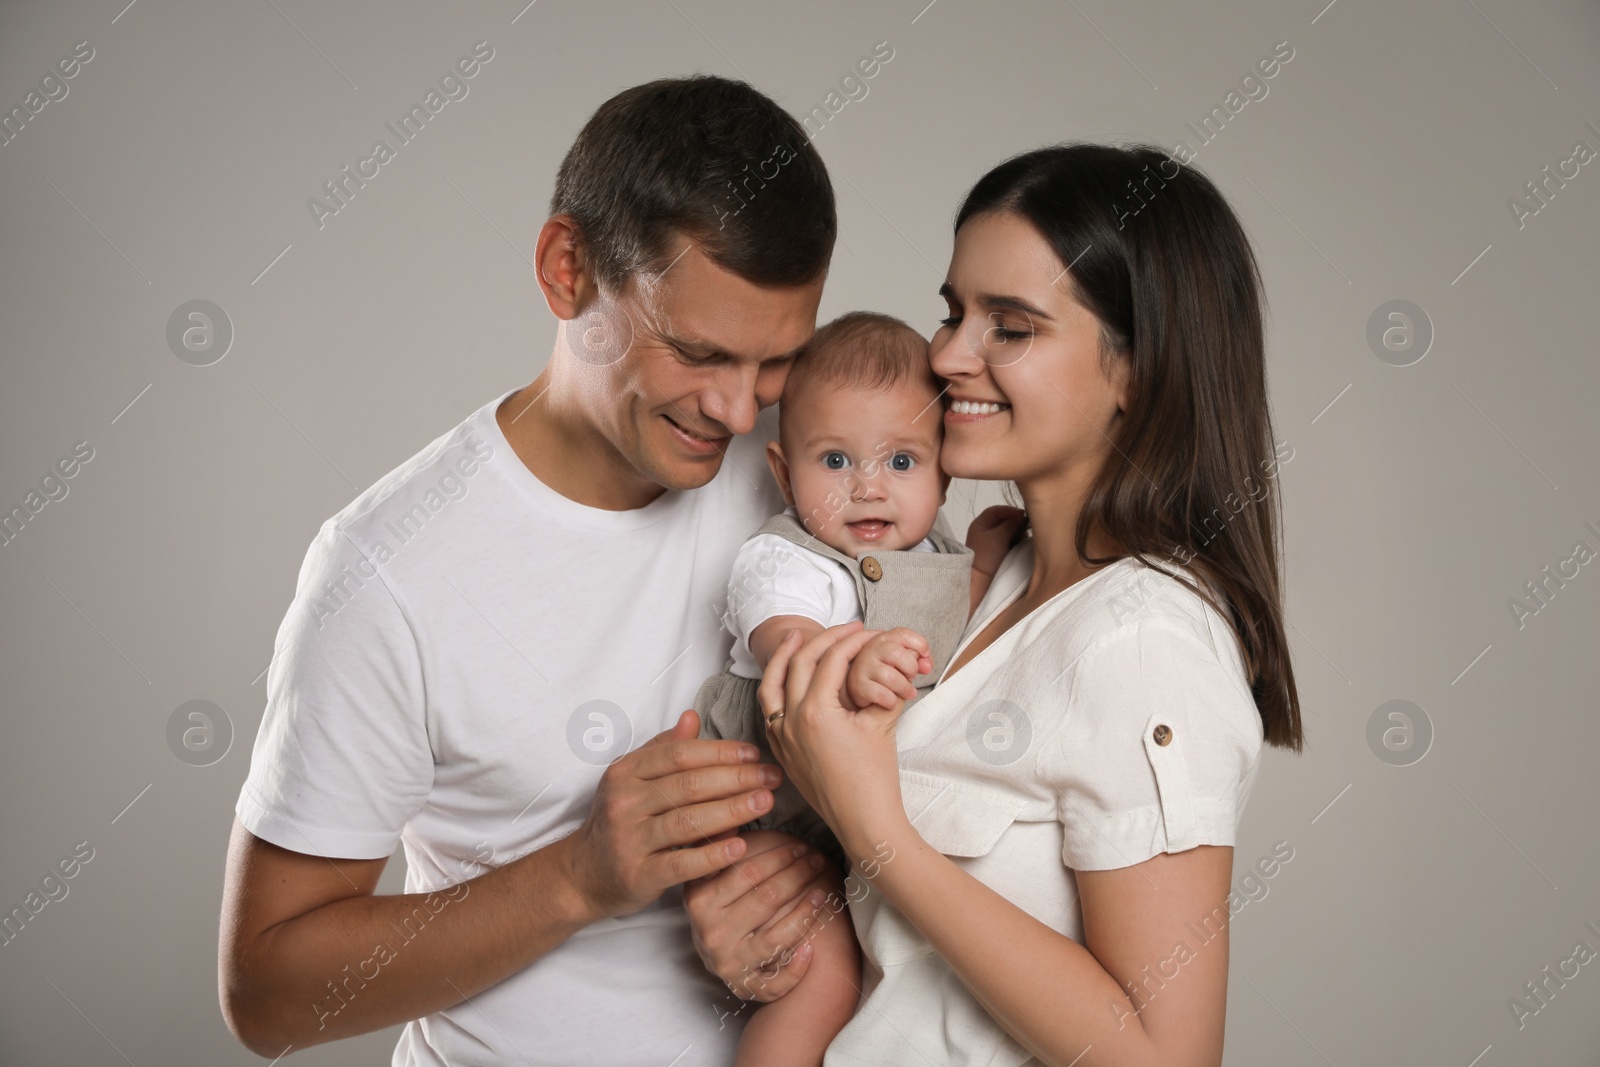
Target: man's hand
750, 922
289, 920
884, 671
657, 814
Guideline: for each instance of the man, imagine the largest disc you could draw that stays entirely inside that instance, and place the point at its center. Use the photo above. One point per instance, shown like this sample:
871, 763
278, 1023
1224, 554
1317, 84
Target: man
481, 644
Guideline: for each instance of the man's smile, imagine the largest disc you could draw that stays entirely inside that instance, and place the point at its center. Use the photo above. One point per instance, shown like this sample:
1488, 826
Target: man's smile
700, 444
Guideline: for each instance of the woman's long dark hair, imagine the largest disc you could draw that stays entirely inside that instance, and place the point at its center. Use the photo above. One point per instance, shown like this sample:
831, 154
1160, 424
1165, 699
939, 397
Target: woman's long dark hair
1160, 259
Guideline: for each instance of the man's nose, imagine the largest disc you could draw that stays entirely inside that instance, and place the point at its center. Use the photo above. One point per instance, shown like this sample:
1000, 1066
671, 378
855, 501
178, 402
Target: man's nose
732, 403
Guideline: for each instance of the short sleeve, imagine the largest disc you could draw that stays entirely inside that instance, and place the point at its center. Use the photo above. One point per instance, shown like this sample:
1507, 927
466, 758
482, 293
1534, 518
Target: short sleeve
774, 576
1157, 751
342, 759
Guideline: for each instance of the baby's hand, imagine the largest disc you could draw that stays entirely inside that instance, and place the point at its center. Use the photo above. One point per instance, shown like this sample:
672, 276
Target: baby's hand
992, 534
882, 672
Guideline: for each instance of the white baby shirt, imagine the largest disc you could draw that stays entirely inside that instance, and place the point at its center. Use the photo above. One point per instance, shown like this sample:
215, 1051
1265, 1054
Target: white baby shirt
774, 576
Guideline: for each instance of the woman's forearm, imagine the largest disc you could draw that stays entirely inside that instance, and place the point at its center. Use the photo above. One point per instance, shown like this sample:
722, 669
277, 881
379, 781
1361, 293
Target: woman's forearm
1045, 989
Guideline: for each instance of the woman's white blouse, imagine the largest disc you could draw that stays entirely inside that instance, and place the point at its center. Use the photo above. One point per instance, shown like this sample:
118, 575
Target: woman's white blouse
1113, 723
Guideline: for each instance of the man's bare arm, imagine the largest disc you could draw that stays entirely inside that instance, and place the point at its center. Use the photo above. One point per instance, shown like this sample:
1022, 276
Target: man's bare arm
309, 954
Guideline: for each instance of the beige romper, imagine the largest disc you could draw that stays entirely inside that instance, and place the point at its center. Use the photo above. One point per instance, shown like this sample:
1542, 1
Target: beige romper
928, 592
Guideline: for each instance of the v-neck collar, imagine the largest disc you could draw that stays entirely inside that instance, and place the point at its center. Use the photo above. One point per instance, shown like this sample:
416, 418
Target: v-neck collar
1019, 558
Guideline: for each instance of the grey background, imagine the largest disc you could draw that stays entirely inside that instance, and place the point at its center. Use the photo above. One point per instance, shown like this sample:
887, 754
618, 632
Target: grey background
1378, 167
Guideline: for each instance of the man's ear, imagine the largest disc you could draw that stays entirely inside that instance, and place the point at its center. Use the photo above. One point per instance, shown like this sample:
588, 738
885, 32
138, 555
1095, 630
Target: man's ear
562, 268
780, 470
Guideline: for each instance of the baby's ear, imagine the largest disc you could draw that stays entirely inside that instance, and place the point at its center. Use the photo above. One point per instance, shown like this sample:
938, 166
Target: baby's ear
779, 466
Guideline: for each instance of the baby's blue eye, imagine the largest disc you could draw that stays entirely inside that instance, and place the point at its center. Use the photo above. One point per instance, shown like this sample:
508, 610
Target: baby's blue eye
902, 461
835, 461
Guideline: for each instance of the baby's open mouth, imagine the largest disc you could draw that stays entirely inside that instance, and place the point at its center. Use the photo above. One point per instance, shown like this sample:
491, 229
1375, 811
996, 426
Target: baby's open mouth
869, 529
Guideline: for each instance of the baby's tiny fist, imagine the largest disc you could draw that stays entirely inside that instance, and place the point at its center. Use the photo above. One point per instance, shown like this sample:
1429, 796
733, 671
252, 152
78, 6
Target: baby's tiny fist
855, 683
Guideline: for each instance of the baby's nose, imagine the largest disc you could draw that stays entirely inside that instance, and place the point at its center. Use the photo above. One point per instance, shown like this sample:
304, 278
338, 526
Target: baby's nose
869, 487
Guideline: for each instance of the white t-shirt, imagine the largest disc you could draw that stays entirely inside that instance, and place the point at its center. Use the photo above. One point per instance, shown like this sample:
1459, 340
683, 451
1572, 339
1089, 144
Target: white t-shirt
466, 651
774, 576
1042, 756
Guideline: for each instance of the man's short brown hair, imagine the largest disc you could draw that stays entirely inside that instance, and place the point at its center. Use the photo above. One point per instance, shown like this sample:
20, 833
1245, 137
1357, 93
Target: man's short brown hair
707, 157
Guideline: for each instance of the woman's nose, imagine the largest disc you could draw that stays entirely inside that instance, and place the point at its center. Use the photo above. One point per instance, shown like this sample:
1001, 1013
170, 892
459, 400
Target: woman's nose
954, 358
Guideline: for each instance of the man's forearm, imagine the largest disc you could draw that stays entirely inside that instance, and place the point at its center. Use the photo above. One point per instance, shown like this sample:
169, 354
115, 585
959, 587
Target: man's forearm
366, 962
308, 954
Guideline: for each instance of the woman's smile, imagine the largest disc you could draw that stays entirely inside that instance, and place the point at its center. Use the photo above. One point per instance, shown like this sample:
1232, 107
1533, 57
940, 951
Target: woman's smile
963, 411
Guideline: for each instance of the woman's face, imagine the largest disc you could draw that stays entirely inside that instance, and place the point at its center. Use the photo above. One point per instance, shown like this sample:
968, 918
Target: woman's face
1030, 398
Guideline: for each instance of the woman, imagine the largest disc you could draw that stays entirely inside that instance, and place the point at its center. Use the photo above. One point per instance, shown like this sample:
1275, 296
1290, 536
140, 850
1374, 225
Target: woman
1043, 845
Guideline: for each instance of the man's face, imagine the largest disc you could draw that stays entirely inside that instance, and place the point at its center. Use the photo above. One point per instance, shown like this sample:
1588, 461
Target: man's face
677, 363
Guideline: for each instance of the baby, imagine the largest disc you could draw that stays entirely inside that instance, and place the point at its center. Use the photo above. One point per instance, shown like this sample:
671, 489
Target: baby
857, 459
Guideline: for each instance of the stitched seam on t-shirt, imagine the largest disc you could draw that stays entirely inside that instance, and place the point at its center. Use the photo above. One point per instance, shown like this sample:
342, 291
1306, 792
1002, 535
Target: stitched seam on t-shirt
423, 460
790, 607
276, 814
1206, 819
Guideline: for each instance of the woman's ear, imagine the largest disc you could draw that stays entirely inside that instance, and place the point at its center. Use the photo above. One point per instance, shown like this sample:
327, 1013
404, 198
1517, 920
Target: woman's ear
780, 470
1121, 377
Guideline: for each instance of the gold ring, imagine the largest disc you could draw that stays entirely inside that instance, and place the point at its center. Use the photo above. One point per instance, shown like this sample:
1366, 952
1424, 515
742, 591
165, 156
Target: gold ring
774, 717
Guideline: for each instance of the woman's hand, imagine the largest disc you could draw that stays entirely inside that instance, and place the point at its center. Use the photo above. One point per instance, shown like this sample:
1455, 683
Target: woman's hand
843, 762
991, 535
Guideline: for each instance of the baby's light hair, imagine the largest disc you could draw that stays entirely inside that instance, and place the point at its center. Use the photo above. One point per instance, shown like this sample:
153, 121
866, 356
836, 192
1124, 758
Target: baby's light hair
861, 350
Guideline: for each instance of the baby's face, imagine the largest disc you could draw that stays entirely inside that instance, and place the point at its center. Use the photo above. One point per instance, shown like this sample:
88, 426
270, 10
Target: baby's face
862, 466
